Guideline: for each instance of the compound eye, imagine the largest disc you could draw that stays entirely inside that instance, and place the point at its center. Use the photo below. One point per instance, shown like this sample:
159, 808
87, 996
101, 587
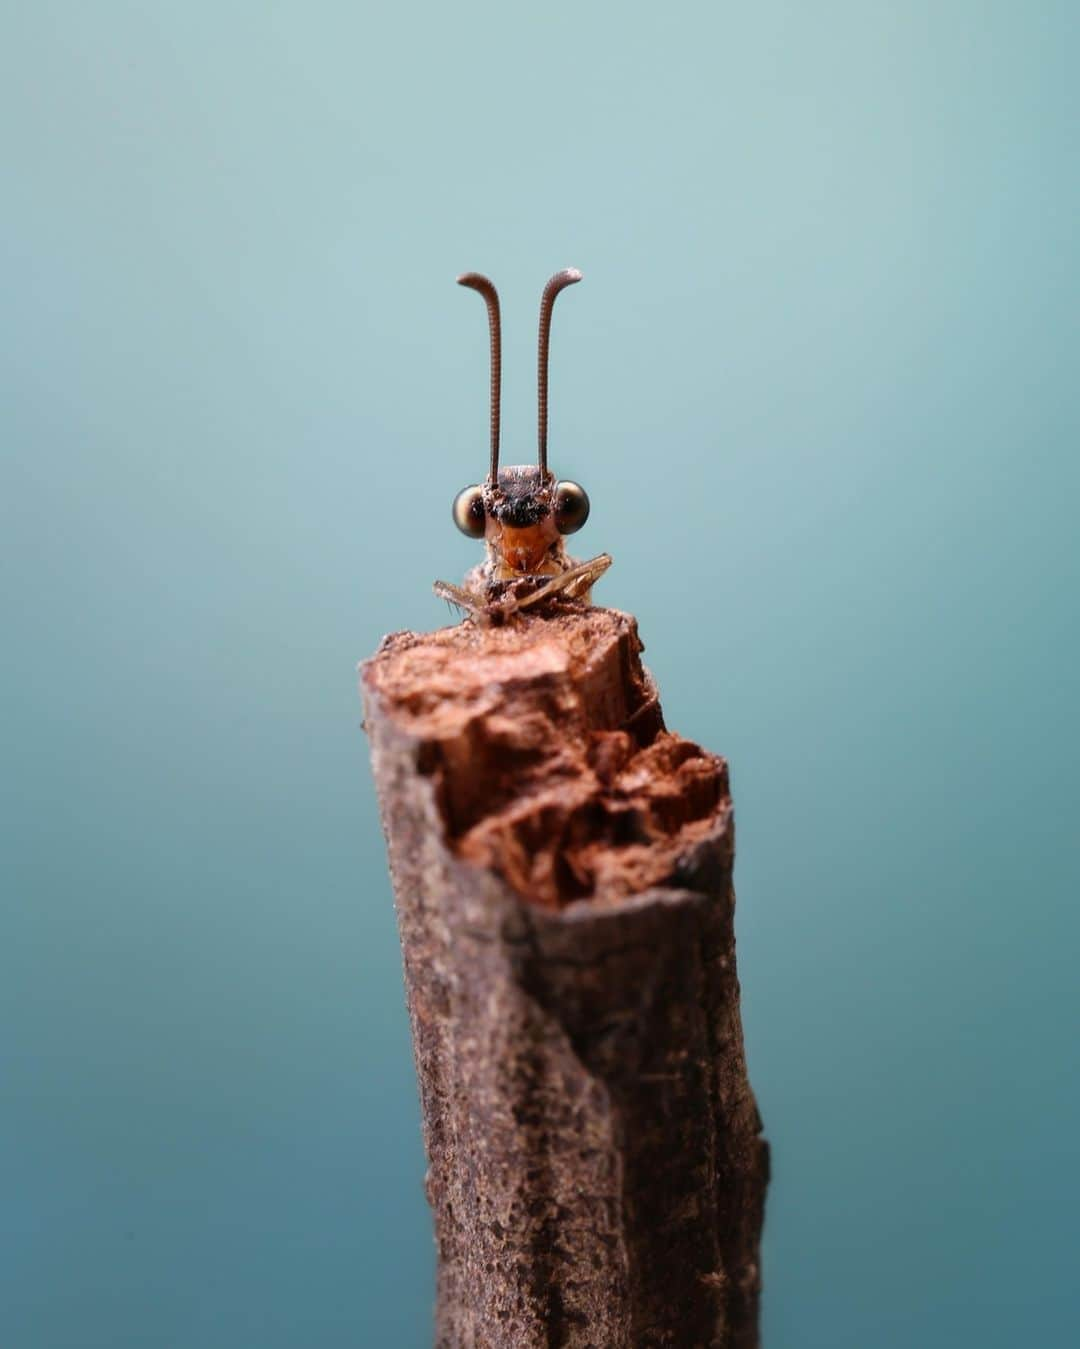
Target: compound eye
571, 506
468, 511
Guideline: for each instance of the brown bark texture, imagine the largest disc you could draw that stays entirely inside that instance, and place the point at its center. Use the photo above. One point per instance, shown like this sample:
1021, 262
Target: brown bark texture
562, 874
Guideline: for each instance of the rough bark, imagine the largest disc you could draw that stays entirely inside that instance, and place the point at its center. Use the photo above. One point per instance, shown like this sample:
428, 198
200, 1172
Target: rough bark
562, 872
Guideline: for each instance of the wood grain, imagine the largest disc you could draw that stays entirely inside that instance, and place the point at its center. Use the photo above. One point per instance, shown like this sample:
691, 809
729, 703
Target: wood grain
562, 875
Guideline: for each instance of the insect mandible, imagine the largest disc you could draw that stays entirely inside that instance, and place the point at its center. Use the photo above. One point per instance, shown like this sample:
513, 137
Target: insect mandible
521, 512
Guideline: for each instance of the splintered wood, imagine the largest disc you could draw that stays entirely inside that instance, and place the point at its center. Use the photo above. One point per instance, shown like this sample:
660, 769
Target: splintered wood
562, 874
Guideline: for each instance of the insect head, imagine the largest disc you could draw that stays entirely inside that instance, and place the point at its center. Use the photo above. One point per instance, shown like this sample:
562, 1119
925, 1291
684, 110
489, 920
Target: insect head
519, 508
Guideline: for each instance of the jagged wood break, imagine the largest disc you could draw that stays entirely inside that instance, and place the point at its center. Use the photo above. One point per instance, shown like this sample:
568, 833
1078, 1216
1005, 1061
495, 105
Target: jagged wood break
562, 872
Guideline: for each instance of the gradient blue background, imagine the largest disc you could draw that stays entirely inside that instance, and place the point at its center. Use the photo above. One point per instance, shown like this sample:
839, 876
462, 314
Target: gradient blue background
821, 382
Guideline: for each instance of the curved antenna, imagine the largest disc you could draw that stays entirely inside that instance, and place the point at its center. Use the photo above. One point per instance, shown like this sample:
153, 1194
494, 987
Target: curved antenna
491, 298
547, 302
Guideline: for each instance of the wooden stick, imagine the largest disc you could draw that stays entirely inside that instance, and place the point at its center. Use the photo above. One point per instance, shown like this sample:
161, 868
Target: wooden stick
562, 873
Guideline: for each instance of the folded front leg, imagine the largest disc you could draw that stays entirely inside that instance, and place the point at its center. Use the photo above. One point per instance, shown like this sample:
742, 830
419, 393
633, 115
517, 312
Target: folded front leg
464, 599
577, 582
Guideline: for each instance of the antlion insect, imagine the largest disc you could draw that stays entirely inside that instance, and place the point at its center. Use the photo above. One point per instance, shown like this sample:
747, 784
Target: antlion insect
521, 512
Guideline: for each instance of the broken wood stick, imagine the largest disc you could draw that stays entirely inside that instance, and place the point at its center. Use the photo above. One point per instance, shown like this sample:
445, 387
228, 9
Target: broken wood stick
562, 875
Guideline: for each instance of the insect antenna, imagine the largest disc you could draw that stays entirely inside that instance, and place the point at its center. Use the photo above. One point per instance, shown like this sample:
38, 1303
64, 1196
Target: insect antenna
491, 298
547, 302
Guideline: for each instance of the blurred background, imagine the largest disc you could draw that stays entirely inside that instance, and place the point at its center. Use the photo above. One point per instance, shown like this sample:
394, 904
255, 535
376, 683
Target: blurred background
820, 382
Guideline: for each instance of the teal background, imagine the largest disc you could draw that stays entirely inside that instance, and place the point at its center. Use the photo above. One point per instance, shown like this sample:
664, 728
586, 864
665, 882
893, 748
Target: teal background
820, 382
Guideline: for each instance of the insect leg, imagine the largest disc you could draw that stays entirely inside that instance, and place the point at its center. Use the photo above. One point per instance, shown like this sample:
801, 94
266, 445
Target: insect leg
576, 582
462, 598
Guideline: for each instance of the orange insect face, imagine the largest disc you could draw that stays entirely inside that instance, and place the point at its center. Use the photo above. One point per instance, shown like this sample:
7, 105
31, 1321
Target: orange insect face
522, 552
520, 527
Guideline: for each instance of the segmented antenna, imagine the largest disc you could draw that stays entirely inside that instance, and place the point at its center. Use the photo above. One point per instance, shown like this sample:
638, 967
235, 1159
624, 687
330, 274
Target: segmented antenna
547, 302
491, 298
